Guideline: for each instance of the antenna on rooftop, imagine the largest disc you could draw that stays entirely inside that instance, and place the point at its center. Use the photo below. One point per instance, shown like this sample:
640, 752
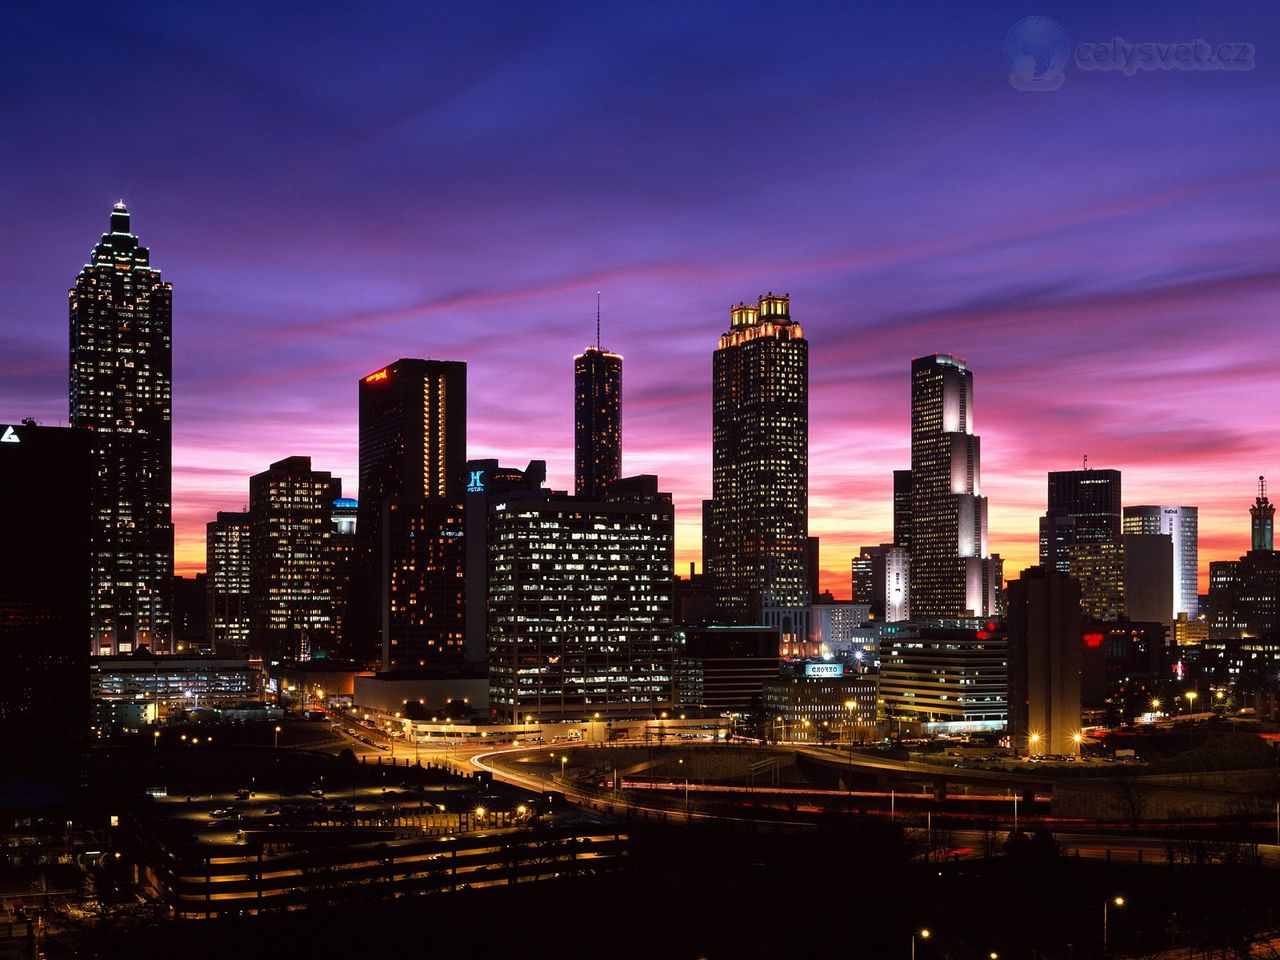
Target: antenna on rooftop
597, 319
1086, 461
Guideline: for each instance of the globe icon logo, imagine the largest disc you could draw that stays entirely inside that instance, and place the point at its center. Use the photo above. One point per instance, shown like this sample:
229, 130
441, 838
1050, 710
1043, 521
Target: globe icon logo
1037, 52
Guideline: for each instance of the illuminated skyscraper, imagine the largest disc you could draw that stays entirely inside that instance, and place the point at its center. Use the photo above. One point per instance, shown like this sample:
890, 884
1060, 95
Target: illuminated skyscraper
1262, 516
1083, 507
413, 451
227, 562
597, 419
1182, 525
759, 511
290, 583
902, 509
121, 390
951, 569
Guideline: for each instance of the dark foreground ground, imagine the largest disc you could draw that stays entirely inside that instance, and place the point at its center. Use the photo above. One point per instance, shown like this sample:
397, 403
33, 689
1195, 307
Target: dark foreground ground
848, 892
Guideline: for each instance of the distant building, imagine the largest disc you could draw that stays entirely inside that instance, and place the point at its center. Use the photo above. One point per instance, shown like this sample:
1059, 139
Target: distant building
724, 669
952, 573
1148, 577
819, 702
291, 591
597, 420
1118, 658
1084, 506
1045, 631
882, 579
1099, 569
1262, 517
1182, 525
948, 676
695, 604
580, 603
46, 475
902, 509
1188, 632
834, 625
190, 615
487, 482
341, 561
132, 691
121, 390
759, 511
227, 565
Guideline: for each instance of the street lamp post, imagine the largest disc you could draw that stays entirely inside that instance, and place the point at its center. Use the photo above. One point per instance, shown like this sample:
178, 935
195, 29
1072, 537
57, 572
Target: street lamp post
1106, 906
923, 935
277, 740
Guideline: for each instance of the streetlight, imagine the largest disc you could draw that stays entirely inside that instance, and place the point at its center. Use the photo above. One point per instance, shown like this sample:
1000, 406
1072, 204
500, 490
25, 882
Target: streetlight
1191, 701
1155, 705
155, 738
277, 743
1106, 906
923, 935
1077, 738
1033, 741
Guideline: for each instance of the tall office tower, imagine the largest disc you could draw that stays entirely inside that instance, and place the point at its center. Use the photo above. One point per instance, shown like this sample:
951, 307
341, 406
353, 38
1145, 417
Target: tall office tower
1182, 525
290, 589
580, 603
760, 469
413, 452
953, 675
813, 567
1084, 507
342, 564
227, 563
486, 480
597, 419
1045, 633
1262, 517
951, 570
121, 389
902, 509
45, 563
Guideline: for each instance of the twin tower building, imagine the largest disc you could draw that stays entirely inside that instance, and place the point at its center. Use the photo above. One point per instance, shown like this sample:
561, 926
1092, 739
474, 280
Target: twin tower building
565, 598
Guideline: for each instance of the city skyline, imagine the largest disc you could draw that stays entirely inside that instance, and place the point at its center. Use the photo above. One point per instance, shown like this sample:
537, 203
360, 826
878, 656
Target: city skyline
1078, 288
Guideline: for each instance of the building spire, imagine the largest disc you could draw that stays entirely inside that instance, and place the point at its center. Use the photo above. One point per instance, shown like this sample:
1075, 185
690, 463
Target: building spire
597, 319
1263, 516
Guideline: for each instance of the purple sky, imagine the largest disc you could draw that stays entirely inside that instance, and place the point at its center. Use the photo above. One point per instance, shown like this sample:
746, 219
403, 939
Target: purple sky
331, 187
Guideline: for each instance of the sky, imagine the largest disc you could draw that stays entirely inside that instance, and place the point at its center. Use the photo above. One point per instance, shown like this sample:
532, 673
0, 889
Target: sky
330, 187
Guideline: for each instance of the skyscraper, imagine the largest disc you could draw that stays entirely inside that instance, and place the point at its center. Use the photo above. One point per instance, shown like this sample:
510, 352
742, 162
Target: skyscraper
1083, 507
227, 564
121, 390
951, 569
290, 583
411, 569
1262, 517
1182, 525
759, 512
597, 419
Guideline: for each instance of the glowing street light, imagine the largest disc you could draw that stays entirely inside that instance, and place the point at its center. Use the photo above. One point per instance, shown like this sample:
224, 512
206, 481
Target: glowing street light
277, 732
923, 935
1033, 742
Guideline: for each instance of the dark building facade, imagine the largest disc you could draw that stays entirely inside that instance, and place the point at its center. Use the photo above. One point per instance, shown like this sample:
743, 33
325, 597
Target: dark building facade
1084, 506
190, 615
290, 584
580, 603
902, 509
759, 511
227, 565
1262, 520
1045, 630
410, 576
45, 567
724, 669
121, 389
951, 570
597, 421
